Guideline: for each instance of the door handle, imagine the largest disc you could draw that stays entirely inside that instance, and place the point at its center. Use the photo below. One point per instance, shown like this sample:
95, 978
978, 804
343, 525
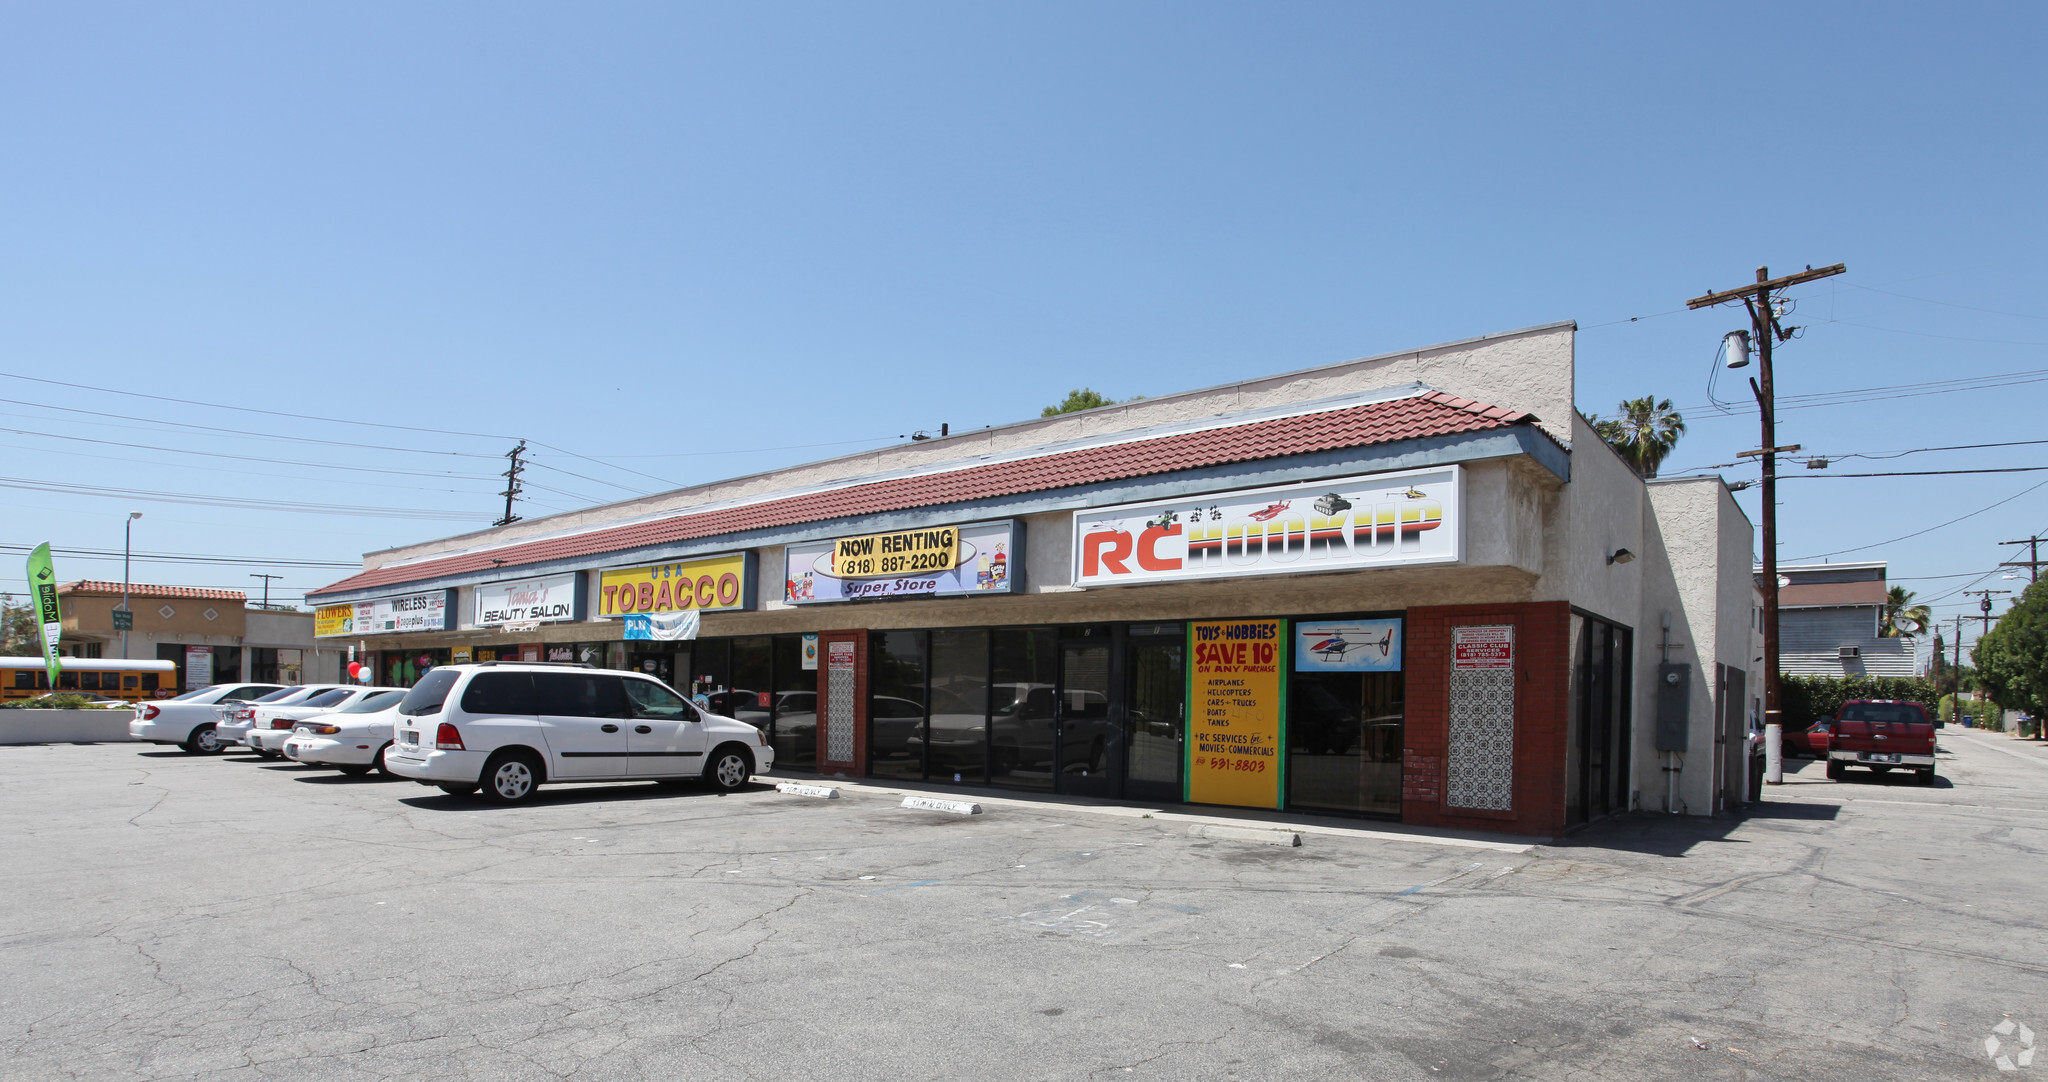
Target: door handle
643, 728
610, 728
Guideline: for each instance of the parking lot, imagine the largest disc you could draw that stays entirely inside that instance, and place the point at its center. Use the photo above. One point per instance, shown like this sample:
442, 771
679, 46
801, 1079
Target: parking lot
227, 918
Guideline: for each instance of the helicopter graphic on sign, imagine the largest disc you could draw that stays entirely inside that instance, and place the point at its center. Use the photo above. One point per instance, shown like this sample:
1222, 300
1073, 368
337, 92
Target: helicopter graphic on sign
1348, 645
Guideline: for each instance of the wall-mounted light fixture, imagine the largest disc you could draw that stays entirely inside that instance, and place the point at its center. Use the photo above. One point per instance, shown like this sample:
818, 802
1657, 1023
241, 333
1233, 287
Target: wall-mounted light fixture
1621, 556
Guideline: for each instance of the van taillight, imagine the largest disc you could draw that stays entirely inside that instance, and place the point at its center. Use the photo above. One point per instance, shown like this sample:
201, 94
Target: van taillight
447, 739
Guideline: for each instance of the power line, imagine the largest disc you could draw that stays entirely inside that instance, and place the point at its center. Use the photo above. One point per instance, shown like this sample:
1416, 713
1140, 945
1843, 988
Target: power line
1928, 530
1945, 304
1856, 395
190, 557
1818, 476
247, 504
296, 416
355, 446
248, 458
242, 471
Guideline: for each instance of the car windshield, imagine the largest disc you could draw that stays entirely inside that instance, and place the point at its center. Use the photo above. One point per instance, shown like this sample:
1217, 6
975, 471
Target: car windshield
328, 697
1896, 713
373, 702
193, 694
286, 695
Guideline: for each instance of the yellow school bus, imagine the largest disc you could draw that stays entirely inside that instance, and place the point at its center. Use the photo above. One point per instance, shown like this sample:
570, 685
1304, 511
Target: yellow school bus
106, 678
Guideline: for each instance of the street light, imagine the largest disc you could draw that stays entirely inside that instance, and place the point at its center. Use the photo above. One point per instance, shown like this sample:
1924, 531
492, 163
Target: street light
127, 539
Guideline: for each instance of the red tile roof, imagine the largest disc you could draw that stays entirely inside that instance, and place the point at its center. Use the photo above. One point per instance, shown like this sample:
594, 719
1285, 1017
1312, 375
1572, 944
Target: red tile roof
1432, 413
95, 588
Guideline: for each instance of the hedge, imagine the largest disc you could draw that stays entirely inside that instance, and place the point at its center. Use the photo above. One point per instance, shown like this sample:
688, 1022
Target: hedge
1805, 699
1983, 713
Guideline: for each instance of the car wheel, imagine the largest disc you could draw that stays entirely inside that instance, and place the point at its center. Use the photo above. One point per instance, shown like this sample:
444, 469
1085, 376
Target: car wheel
455, 790
1927, 776
354, 770
1834, 770
380, 765
203, 741
1756, 780
511, 778
729, 768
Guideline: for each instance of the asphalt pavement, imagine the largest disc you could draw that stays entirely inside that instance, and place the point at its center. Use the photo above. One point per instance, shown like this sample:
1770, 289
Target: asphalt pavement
173, 917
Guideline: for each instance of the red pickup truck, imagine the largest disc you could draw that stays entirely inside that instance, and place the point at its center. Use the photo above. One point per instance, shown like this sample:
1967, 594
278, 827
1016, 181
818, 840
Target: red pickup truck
1879, 734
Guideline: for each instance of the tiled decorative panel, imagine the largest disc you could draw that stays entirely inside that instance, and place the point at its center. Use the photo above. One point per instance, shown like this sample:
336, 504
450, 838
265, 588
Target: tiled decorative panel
839, 695
1481, 771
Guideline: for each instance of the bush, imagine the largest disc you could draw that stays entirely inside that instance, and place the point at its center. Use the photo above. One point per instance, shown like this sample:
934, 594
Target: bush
1806, 699
63, 700
1983, 714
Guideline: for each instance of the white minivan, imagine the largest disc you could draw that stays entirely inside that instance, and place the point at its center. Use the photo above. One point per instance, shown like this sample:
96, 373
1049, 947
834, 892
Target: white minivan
507, 727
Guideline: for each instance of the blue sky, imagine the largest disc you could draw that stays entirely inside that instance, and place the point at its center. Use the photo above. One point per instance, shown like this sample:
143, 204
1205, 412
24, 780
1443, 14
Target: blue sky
645, 233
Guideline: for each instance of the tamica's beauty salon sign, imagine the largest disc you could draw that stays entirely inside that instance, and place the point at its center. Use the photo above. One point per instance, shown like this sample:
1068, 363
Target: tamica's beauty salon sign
543, 600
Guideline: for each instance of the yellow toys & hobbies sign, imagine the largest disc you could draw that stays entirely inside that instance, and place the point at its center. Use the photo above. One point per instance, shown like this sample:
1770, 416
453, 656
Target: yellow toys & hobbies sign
1236, 701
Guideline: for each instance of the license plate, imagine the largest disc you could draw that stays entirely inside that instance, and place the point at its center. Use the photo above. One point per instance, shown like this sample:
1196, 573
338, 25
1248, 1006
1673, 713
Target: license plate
407, 737
1879, 757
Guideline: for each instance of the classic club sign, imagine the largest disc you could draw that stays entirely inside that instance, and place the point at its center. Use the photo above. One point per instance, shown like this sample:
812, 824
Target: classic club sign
1342, 524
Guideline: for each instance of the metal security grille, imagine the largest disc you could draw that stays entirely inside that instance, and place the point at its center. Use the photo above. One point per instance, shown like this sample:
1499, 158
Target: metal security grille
839, 704
1481, 771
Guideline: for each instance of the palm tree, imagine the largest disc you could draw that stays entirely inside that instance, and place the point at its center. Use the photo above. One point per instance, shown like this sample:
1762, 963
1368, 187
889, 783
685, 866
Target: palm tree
1901, 616
1644, 434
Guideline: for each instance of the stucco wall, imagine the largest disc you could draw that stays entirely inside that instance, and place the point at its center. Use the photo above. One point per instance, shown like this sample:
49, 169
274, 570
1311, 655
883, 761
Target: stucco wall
1697, 570
63, 726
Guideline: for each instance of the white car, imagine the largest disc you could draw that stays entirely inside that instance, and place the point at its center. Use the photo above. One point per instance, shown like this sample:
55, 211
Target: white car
274, 722
508, 727
234, 720
352, 738
188, 720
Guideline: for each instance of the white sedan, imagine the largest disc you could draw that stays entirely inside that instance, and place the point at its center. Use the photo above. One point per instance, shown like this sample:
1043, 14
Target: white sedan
352, 738
236, 719
189, 720
274, 722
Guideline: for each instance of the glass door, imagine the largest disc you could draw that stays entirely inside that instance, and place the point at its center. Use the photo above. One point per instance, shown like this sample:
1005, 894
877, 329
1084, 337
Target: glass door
1156, 689
1090, 734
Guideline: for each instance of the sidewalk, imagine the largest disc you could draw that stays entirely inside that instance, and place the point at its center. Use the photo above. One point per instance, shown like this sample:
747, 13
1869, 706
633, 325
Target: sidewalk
2018, 747
1231, 817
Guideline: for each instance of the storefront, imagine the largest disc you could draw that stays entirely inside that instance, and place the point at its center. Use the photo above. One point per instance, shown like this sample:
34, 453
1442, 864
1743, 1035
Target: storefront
1340, 591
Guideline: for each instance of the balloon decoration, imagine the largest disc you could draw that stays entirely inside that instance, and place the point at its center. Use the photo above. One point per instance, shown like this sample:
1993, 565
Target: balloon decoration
355, 670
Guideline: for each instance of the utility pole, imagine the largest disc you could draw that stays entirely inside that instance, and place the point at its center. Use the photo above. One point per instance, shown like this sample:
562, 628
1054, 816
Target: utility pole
1984, 605
1955, 695
2033, 561
1766, 331
127, 617
266, 587
512, 489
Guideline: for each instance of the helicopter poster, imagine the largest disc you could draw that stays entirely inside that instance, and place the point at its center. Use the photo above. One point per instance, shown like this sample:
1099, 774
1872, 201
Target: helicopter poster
1339, 524
1348, 645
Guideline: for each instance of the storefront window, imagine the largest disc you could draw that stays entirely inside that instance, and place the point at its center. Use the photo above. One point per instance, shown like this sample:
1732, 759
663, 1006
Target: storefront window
896, 701
753, 683
1025, 664
958, 742
795, 726
1344, 741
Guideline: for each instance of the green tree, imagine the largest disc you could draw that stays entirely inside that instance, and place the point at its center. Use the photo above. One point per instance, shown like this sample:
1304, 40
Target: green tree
20, 635
1077, 400
1901, 616
2012, 660
1644, 434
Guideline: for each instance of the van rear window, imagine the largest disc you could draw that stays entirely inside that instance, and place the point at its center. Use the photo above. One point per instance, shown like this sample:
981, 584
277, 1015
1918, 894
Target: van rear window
427, 696
1895, 713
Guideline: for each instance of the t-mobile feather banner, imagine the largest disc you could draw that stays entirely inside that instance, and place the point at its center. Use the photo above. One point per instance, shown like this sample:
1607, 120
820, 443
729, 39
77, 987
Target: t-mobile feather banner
42, 579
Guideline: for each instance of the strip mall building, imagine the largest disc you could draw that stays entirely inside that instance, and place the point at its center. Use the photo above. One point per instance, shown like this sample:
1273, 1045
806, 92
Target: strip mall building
1415, 586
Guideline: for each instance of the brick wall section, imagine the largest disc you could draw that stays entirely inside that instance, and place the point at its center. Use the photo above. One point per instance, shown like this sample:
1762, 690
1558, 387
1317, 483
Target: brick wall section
1422, 779
1542, 715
